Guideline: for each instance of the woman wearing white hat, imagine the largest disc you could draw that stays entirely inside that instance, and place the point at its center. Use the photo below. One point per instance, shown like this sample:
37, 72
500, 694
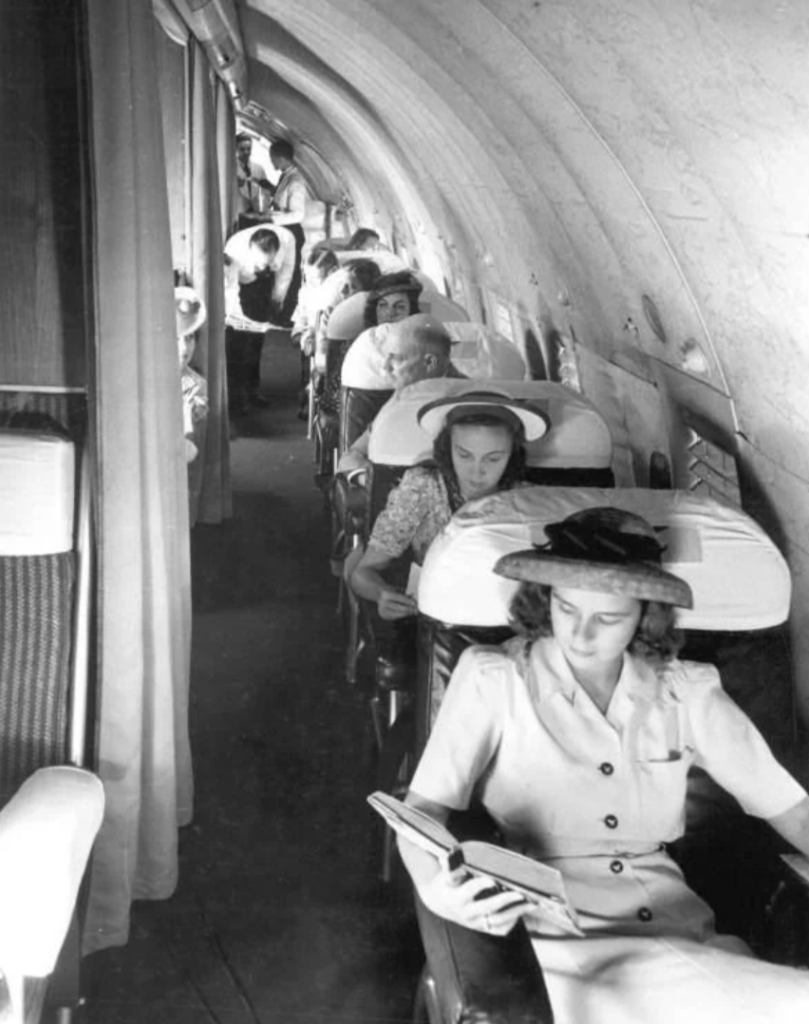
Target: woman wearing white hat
578, 737
478, 448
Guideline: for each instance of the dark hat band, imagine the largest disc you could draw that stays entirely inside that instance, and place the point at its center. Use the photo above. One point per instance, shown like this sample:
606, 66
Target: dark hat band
496, 412
599, 543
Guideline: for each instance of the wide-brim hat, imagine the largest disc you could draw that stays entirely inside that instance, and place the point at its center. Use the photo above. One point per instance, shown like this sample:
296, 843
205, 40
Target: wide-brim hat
190, 310
397, 281
443, 412
603, 549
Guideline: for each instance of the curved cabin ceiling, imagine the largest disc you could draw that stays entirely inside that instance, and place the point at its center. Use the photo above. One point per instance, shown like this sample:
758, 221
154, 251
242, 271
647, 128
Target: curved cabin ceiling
570, 157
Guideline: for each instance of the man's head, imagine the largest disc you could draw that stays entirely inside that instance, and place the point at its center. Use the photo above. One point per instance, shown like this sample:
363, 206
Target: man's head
416, 348
244, 147
263, 249
282, 153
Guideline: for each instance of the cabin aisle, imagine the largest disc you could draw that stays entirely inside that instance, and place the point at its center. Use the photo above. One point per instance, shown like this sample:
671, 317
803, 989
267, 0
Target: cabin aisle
278, 915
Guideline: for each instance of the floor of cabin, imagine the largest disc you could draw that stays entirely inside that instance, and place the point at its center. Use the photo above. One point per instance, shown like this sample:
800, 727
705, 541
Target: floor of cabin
279, 914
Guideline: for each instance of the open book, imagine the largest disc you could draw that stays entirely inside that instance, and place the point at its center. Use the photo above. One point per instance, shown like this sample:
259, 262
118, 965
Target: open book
541, 885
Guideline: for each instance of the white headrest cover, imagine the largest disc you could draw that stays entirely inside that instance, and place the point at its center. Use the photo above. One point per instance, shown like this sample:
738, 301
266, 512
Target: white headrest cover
347, 318
739, 578
481, 353
37, 493
363, 366
439, 306
578, 436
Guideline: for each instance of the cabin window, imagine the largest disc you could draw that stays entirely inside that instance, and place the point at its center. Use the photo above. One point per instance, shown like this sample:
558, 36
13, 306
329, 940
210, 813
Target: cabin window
711, 470
502, 319
568, 365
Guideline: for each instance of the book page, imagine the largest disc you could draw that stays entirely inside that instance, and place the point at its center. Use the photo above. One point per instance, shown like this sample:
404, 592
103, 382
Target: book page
541, 885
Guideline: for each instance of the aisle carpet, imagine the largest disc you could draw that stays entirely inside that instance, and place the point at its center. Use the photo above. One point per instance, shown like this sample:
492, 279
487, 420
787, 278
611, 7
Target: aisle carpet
280, 915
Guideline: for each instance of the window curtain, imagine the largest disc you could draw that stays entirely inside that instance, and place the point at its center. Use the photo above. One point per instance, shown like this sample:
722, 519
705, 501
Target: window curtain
143, 528
226, 155
209, 474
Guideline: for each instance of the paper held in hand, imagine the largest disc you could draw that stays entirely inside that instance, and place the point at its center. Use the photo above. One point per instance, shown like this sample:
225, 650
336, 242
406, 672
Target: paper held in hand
541, 885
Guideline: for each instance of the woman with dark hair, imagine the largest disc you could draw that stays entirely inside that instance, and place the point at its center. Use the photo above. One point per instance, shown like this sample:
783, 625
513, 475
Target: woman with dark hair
394, 297
478, 449
577, 737
363, 238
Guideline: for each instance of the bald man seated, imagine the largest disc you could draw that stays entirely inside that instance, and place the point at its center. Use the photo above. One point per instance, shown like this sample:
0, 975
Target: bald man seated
416, 348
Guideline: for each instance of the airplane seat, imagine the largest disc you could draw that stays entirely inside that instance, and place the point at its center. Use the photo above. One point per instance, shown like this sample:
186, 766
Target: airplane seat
578, 442
52, 807
345, 324
37, 580
480, 352
364, 389
718, 549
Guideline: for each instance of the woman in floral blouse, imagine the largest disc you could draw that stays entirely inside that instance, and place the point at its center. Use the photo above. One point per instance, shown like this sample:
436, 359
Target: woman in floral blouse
478, 448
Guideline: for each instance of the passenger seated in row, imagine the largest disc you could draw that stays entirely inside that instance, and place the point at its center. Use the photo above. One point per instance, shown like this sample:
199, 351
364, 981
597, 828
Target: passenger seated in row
364, 238
577, 737
357, 275
191, 315
478, 448
417, 348
320, 264
394, 297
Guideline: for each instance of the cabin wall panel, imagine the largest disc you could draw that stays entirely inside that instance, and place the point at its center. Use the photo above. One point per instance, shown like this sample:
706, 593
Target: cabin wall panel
42, 316
778, 500
171, 71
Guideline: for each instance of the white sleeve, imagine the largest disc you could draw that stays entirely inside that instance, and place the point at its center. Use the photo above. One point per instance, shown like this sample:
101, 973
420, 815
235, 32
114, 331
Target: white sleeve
286, 265
467, 730
730, 747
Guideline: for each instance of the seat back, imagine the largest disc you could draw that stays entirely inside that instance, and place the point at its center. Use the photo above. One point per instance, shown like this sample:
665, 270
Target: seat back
37, 580
578, 441
716, 547
481, 353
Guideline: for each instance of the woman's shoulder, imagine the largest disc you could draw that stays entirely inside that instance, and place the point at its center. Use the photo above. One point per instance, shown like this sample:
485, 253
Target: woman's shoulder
689, 679
424, 480
424, 472
496, 664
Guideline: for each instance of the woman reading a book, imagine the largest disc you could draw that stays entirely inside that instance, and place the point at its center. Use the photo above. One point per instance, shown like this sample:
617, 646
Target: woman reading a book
577, 737
478, 449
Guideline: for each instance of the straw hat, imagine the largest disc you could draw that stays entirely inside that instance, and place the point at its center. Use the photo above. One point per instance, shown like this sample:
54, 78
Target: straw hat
441, 412
603, 549
190, 311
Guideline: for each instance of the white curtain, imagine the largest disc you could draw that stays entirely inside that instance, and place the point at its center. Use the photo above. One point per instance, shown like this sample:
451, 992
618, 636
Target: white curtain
209, 475
144, 608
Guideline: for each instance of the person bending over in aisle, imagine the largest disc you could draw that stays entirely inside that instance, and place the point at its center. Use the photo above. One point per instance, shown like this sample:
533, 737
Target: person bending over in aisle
259, 264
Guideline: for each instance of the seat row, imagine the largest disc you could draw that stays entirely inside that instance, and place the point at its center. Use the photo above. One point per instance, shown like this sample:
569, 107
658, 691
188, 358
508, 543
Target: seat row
460, 600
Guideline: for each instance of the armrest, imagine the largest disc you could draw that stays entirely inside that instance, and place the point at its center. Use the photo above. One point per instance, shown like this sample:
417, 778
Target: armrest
349, 505
487, 979
47, 830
